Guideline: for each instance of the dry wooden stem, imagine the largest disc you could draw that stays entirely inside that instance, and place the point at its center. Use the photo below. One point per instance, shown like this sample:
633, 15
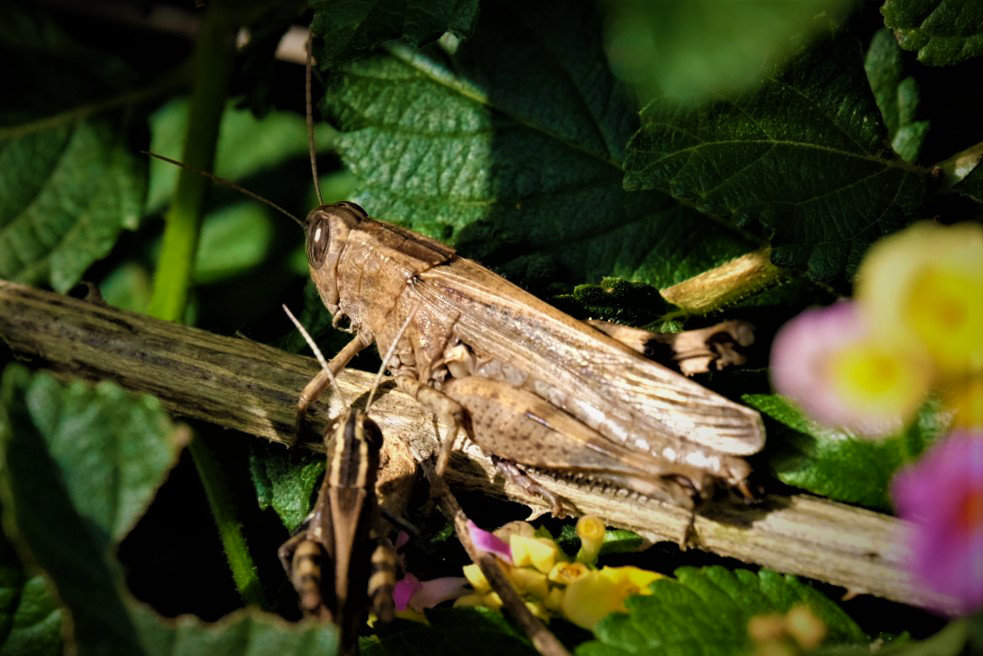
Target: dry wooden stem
542, 638
253, 388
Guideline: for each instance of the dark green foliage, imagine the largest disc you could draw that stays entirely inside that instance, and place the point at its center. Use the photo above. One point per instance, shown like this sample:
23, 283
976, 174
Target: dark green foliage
943, 32
835, 463
705, 611
802, 158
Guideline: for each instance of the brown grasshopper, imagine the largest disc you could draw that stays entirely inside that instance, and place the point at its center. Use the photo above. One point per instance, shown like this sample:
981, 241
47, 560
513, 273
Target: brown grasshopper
344, 529
529, 384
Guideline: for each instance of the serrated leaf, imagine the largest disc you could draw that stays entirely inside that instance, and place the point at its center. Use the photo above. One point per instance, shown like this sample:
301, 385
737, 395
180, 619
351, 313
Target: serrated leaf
75, 476
69, 182
705, 611
835, 463
464, 147
896, 95
706, 47
803, 156
451, 631
30, 620
944, 32
348, 29
285, 481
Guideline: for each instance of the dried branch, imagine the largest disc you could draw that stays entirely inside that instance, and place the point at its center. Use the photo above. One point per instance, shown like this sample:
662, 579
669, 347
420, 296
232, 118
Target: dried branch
253, 388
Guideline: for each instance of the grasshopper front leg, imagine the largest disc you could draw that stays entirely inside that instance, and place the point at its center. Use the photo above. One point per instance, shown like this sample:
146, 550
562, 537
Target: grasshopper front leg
315, 388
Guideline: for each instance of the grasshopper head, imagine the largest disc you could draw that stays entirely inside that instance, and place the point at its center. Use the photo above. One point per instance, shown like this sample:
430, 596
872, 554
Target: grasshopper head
327, 231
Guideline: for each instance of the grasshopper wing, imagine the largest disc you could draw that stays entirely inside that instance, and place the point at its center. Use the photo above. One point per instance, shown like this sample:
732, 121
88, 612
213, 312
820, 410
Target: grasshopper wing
602, 382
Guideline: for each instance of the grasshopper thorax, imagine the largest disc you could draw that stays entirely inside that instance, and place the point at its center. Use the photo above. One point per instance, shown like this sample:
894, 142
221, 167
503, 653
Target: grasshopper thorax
327, 230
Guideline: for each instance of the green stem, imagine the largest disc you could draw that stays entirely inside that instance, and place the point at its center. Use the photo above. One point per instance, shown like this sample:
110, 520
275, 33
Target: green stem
244, 571
212, 66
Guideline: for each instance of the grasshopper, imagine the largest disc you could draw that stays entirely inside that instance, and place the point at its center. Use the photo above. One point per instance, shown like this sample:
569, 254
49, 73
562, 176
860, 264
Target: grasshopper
530, 385
344, 528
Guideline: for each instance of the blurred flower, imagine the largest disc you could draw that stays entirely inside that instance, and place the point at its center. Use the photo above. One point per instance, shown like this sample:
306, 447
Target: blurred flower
964, 398
828, 361
405, 588
413, 594
796, 631
590, 529
804, 627
942, 495
925, 285
488, 541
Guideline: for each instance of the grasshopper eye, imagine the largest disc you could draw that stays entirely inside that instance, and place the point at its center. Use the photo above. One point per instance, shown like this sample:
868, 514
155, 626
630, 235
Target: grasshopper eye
318, 237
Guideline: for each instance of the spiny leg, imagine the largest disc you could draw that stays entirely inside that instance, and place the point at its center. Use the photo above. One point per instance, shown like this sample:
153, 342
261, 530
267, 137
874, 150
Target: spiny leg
448, 411
516, 474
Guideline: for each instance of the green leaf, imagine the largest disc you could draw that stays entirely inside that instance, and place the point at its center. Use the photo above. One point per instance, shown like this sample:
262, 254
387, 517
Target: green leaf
462, 631
243, 633
69, 180
617, 300
464, 147
705, 611
896, 95
80, 463
348, 29
953, 640
835, 463
944, 32
285, 481
706, 47
803, 157
30, 620
233, 239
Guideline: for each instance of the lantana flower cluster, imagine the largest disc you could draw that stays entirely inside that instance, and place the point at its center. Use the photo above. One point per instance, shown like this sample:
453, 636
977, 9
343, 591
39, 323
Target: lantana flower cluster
549, 581
915, 327
916, 323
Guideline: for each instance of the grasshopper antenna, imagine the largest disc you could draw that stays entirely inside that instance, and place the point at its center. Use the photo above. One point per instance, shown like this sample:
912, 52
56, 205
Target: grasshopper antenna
317, 353
309, 107
389, 355
227, 183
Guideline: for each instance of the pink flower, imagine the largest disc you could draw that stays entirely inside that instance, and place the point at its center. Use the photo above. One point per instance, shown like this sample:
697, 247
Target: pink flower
942, 495
417, 595
829, 362
488, 541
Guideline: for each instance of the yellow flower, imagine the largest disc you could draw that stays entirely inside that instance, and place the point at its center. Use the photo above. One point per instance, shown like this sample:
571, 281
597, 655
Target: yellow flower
965, 399
590, 529
881, 385
565, 573
597, 594
925, 285
540, 553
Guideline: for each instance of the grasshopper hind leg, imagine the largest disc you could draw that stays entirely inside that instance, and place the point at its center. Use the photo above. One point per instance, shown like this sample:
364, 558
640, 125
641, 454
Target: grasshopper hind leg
559, 506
